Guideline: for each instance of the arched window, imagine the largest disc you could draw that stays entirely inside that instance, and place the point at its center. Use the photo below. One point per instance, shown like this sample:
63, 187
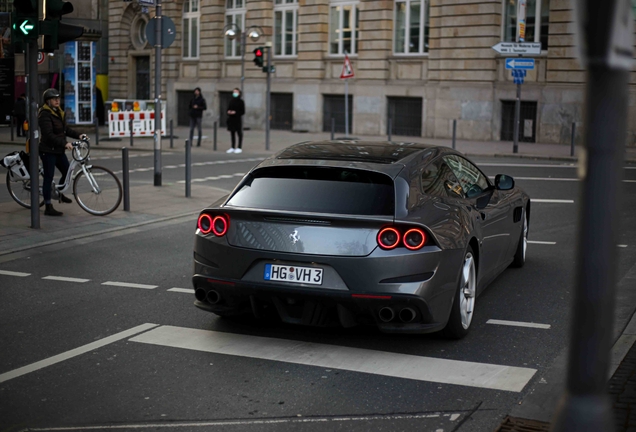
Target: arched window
537, 21
411, 27
191, 16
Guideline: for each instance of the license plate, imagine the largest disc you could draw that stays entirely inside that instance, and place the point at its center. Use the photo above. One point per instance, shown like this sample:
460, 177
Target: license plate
308, 275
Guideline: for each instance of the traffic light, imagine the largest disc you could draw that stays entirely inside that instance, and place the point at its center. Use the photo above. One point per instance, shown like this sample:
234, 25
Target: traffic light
24, 26
55, 32
258, 57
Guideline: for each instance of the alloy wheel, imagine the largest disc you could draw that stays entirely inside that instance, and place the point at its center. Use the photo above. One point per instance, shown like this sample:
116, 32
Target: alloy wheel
467, 292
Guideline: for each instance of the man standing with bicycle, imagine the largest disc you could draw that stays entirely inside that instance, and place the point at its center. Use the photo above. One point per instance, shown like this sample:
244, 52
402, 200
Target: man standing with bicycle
53, 143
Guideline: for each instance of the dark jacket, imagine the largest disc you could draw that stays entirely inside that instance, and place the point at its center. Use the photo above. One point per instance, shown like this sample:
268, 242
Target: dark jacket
53, 130
234, 122
19, 109
201, 106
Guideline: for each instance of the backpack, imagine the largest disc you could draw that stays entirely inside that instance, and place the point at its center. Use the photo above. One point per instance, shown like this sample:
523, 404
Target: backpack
15, 163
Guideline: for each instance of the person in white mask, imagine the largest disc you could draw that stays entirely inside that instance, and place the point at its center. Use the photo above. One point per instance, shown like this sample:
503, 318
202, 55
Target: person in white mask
235, 111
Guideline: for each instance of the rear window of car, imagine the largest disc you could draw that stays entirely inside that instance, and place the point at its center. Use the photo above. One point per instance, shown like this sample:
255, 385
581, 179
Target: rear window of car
318, 190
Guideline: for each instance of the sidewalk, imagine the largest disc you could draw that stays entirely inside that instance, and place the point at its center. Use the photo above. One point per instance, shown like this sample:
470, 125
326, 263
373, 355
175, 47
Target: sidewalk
254, 142
151, 205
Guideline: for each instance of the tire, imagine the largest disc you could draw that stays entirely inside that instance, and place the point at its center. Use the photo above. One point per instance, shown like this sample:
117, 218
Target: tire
519, 258
20, 191
105, 199
463, 308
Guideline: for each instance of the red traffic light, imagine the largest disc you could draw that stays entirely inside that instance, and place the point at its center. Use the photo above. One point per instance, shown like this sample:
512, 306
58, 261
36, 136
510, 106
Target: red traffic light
258, 56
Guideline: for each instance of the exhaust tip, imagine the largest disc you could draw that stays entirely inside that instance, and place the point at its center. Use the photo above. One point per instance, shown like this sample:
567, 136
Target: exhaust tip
407, 315
199, 294
213, 297
386, 314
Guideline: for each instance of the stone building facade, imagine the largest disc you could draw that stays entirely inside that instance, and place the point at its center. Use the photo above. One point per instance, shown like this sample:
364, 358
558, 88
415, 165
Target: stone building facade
420, 64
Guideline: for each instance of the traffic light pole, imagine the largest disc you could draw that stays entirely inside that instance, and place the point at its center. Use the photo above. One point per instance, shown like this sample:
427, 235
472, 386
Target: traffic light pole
34, 146
157, 137
268, 97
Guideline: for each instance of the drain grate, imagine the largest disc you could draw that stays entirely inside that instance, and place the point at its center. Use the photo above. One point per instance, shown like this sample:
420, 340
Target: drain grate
513, 424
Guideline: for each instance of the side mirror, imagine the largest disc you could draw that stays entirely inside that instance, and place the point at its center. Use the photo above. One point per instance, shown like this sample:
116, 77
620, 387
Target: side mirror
504, 182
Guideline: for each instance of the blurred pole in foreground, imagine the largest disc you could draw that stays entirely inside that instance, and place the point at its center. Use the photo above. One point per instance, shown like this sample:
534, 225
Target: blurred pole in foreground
605, 41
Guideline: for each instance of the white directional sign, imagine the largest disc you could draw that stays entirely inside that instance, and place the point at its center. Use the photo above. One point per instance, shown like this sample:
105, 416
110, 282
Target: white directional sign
520, 63
531, 48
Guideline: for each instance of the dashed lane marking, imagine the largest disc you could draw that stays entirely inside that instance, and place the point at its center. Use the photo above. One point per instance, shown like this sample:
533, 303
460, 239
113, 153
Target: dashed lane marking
182, 290
263, 421
482, 375
622, 246
65, 279
12, 273
527, 165
198, 164
541, 242
552, 201
212, 178
75, 352
518, 324
129, 285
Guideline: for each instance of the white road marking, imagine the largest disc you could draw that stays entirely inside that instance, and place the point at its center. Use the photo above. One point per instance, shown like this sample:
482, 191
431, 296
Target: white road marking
75, 352
622, 246
557, 179
541, 242
12, 273
298, 420
182, 290
526, 165
219, 177
65, 279
220, 162
483, 375
518, 324
130, 285
553, 201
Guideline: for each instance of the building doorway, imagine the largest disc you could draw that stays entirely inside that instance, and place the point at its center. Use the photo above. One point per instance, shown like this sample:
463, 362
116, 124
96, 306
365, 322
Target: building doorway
282, 111
142, 77
527, 121
334, 107
406, 116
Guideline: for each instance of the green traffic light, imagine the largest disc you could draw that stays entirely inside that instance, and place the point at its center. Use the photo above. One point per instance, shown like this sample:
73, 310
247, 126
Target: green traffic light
26, 27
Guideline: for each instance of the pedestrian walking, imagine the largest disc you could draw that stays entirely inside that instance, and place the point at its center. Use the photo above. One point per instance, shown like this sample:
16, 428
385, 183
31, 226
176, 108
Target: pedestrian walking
235, 111
197, 106
19, 113
52, 146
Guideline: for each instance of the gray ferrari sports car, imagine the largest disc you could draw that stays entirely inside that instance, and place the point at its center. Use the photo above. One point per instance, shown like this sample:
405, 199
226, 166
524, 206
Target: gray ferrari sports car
397, 235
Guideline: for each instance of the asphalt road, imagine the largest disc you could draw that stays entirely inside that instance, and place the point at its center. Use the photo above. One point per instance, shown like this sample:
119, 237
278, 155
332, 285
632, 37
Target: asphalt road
68, 312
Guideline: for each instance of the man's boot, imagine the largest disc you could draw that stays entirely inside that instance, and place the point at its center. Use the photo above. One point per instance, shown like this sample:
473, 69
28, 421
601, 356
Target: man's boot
65, 199
50, 211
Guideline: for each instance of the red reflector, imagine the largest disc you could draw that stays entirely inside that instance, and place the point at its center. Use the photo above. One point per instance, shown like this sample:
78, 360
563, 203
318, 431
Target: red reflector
370, 296
215, 281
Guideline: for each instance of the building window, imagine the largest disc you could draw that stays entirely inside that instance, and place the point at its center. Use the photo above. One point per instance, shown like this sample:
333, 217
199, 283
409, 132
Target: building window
138, 33
411, 36
234, 14
343, 33
285, 27
537, 21
191, 16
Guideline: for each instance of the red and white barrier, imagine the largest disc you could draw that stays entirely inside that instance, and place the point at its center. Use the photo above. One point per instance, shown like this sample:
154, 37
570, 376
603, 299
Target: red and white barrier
143, 123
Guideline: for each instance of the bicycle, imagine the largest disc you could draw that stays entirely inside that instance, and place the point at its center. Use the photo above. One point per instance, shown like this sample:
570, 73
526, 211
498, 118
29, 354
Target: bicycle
97, 190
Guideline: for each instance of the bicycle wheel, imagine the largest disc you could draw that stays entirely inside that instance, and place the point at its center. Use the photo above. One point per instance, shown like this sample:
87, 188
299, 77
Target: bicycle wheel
20, 191
100, 193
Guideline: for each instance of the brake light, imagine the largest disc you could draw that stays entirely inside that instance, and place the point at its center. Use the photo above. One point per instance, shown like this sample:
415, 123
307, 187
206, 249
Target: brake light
205, 223
220, 225
388, 238
414, 239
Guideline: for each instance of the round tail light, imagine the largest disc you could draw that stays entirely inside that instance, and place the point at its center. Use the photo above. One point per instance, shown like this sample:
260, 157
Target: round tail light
220, 225
414, 238
388, 238
205, 223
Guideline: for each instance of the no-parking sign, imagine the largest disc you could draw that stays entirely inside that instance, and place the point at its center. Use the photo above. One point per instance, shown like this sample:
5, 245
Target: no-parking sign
40, 58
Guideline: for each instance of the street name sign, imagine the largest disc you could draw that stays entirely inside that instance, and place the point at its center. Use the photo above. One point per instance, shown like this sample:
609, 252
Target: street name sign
531, 48
519, 63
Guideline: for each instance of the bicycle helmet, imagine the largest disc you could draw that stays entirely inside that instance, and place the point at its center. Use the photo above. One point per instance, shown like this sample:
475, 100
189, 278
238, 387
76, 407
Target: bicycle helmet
50, 94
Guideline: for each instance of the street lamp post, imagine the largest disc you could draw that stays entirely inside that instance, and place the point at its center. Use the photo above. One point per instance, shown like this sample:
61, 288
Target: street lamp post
232, 31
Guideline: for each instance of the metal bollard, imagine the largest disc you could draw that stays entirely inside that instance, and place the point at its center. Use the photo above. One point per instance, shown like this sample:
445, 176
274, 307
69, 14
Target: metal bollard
171, 135
454, 132
188, 167
390, 127
96, 131
572, 140
126, 175
130, 125
12, 125
215, 127
333, 127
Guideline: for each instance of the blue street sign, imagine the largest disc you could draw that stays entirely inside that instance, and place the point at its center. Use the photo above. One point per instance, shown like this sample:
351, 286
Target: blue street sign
518, 73
520, 63
518, 80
